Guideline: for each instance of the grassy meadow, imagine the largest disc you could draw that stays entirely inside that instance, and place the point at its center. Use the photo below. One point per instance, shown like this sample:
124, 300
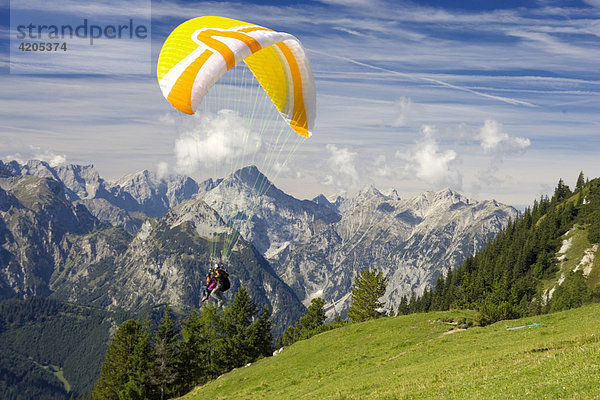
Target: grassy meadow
429, 356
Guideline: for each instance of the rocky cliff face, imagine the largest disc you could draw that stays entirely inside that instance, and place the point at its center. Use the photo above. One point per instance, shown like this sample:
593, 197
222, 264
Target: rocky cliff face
128, 202
36, 220
274, 222
319, 250
50, 246
316, 247
411, 241
166, 263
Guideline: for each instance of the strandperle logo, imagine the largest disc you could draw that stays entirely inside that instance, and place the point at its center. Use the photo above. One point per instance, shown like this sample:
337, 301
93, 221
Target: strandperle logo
86, 30
108, 37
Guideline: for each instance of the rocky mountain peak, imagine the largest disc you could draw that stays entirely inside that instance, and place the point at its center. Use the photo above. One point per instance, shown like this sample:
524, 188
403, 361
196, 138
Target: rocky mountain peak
142, 183
205, 219
339, 200
249, 176
367, 198
38, 168
321, 199
392, 194
368, 191
11, 168
83, 180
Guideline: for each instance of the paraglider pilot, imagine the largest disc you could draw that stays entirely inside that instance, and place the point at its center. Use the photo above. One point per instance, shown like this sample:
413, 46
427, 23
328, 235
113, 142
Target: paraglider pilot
215, 284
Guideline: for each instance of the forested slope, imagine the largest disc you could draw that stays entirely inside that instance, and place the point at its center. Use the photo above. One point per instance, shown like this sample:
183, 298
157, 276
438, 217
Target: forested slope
52, 349
511, 276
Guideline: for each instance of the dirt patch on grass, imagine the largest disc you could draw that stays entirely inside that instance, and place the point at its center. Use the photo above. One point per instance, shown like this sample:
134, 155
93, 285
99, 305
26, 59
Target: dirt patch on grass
451, 331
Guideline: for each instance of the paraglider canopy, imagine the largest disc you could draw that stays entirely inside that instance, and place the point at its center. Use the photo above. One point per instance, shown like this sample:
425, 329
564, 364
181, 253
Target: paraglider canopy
200, 51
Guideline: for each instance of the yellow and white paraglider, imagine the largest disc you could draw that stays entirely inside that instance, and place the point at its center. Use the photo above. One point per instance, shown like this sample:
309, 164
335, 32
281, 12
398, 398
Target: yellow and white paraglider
200, 51
195, 70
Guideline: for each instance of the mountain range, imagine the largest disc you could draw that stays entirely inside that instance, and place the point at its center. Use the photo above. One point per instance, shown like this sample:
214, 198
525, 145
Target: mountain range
53, 245
110, 243
79, 255
139, 242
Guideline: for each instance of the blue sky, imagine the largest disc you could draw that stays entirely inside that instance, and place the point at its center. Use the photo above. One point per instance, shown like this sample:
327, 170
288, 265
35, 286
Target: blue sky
493, 99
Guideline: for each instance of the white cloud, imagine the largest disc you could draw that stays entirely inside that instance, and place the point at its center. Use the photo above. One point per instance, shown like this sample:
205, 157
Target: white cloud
15, 157
56, 159
381, 166
281, 168
593, 3
403, 107
549, 43
349, 3
498, 144
419, 77
343, 171
166, 118
217, 138
431, 165
493, 140
162, 170
350, 31
38, 153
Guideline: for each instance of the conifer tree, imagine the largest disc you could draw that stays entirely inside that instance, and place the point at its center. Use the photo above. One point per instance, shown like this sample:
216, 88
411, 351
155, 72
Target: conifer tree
241, 310
403, 306
139, 385
580, 182
261, 338
561, 192
369, 286
165, 371
308, 323
193, 361
243, 338
572, 292
124, 372
315, 315
412, 303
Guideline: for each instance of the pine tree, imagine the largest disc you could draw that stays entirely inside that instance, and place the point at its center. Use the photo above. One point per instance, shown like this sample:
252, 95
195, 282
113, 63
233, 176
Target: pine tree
580, 182
307, 325
369, 286
165, 371
243, 338
573, 292
139, 385
261, 338
290, 335
315, 315
561, 192
193, 360
124, 371
211, 325
241, 311
403, 306
412, 303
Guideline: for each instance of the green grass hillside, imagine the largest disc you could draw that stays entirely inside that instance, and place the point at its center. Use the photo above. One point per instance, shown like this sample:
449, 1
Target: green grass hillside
421, 356
576, 254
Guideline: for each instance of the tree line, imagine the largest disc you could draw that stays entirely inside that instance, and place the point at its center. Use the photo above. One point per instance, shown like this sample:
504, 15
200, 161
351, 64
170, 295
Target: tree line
173, 360
178, 357
504, 280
